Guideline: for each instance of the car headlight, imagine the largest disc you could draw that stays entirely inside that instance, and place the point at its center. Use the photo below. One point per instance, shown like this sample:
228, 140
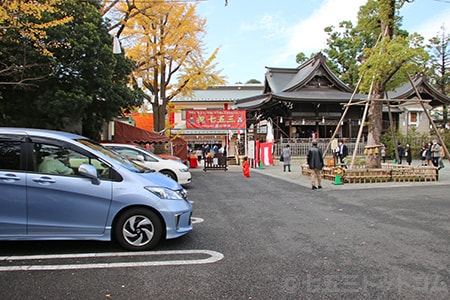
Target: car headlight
184, 170
165, 193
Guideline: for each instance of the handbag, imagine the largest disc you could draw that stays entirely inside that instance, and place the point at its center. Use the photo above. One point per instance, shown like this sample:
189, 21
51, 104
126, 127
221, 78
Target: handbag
281, 158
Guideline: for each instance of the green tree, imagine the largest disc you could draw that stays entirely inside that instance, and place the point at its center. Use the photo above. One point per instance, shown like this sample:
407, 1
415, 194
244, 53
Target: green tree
344, 49
393, 52
347, 43
24, 24
87, 85
300, 58
380, 52
253, 81
439, 49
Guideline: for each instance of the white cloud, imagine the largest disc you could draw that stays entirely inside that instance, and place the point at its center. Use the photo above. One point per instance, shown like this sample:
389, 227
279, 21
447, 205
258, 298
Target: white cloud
308, 35
270, 25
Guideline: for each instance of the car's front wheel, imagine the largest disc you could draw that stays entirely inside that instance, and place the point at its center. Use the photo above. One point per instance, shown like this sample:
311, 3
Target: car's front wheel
169, 174
138, 229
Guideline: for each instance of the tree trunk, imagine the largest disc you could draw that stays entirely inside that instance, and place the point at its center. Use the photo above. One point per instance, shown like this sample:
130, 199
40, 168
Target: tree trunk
373, 158
159, 115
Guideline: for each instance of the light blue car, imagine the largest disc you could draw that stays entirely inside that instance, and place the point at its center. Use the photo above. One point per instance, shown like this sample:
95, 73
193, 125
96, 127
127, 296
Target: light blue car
61, 186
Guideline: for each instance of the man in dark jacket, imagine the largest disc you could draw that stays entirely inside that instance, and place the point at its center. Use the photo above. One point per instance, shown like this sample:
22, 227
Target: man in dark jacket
401, 152
315, 163
342, 151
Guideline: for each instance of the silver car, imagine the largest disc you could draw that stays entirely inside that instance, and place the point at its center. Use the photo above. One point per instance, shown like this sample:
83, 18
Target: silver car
61, 186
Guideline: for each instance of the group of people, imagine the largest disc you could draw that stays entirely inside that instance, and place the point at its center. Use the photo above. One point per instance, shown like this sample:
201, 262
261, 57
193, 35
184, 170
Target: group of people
206, 151
405, 152
432, 154
314, 159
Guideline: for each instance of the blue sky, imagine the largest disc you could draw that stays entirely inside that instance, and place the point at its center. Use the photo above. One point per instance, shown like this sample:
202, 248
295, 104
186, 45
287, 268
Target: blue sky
253, 34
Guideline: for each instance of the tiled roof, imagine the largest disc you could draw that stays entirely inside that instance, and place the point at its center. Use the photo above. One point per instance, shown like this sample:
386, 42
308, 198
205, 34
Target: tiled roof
223, 93
426, 90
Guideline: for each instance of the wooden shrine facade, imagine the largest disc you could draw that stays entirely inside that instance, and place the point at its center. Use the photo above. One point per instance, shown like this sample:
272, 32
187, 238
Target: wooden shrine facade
308, 101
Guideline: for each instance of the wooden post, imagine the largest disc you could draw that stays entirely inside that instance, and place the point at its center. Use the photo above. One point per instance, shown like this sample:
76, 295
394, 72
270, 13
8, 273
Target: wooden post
366, 108
342, 118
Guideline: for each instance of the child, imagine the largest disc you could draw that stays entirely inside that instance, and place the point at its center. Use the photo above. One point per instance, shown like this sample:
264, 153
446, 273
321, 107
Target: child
246, 168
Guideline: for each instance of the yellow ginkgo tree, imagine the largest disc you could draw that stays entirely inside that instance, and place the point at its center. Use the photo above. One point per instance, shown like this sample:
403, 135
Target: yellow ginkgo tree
24, 21
165, 41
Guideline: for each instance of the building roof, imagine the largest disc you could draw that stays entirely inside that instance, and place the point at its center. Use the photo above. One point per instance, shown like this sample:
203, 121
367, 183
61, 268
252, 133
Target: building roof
222, 93
426, 90
312, 81
313, 73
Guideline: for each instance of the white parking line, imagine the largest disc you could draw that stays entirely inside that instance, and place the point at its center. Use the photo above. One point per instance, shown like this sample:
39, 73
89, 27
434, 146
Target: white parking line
213, 257
196, 220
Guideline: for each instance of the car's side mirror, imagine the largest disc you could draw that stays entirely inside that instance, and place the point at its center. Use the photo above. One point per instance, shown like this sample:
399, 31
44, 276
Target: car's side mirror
89, 171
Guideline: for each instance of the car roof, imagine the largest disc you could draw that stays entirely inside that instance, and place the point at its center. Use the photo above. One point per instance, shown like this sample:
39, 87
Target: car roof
40, 132
133, 146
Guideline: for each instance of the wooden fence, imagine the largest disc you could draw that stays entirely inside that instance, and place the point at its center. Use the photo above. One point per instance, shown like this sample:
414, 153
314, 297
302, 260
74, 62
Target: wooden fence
388, 173
300, 146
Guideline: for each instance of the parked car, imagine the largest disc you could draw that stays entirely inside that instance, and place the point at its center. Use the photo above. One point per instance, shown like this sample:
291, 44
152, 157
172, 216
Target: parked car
170, 157
144, 157
61, 186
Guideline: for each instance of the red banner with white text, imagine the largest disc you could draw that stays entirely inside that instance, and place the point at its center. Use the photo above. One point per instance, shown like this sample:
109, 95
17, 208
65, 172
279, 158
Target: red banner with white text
215, 119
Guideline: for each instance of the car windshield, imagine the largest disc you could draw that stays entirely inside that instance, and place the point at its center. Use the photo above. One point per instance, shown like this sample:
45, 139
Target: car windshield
114, 155
153, 155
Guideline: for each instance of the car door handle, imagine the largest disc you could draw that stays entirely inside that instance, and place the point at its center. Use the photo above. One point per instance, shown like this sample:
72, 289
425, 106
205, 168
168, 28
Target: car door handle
44, 179
9, 177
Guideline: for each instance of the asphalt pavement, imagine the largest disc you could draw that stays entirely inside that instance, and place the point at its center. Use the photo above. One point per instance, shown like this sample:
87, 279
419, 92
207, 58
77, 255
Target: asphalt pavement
296, 177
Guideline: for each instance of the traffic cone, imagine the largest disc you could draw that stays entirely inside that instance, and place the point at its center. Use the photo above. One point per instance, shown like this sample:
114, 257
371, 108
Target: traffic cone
337, 177
261, 164
337, 180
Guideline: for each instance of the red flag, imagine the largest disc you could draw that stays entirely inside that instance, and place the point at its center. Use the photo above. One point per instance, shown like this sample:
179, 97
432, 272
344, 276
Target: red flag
266, 153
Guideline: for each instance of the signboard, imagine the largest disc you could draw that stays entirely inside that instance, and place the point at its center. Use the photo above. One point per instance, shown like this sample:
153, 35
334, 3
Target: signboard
215, 119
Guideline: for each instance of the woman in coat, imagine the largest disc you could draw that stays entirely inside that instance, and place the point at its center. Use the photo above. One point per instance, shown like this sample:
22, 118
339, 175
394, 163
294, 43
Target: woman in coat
408, 154
286, 158
423, 154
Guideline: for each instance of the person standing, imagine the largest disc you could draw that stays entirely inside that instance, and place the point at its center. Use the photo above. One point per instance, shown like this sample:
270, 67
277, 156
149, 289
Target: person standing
408, 154
342, 151
287, 158
441, 157
314, 159
199, 154
334, 148
383, 153
205, 152
423, 154
435, 153
401, 152
246, 168
429, 156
